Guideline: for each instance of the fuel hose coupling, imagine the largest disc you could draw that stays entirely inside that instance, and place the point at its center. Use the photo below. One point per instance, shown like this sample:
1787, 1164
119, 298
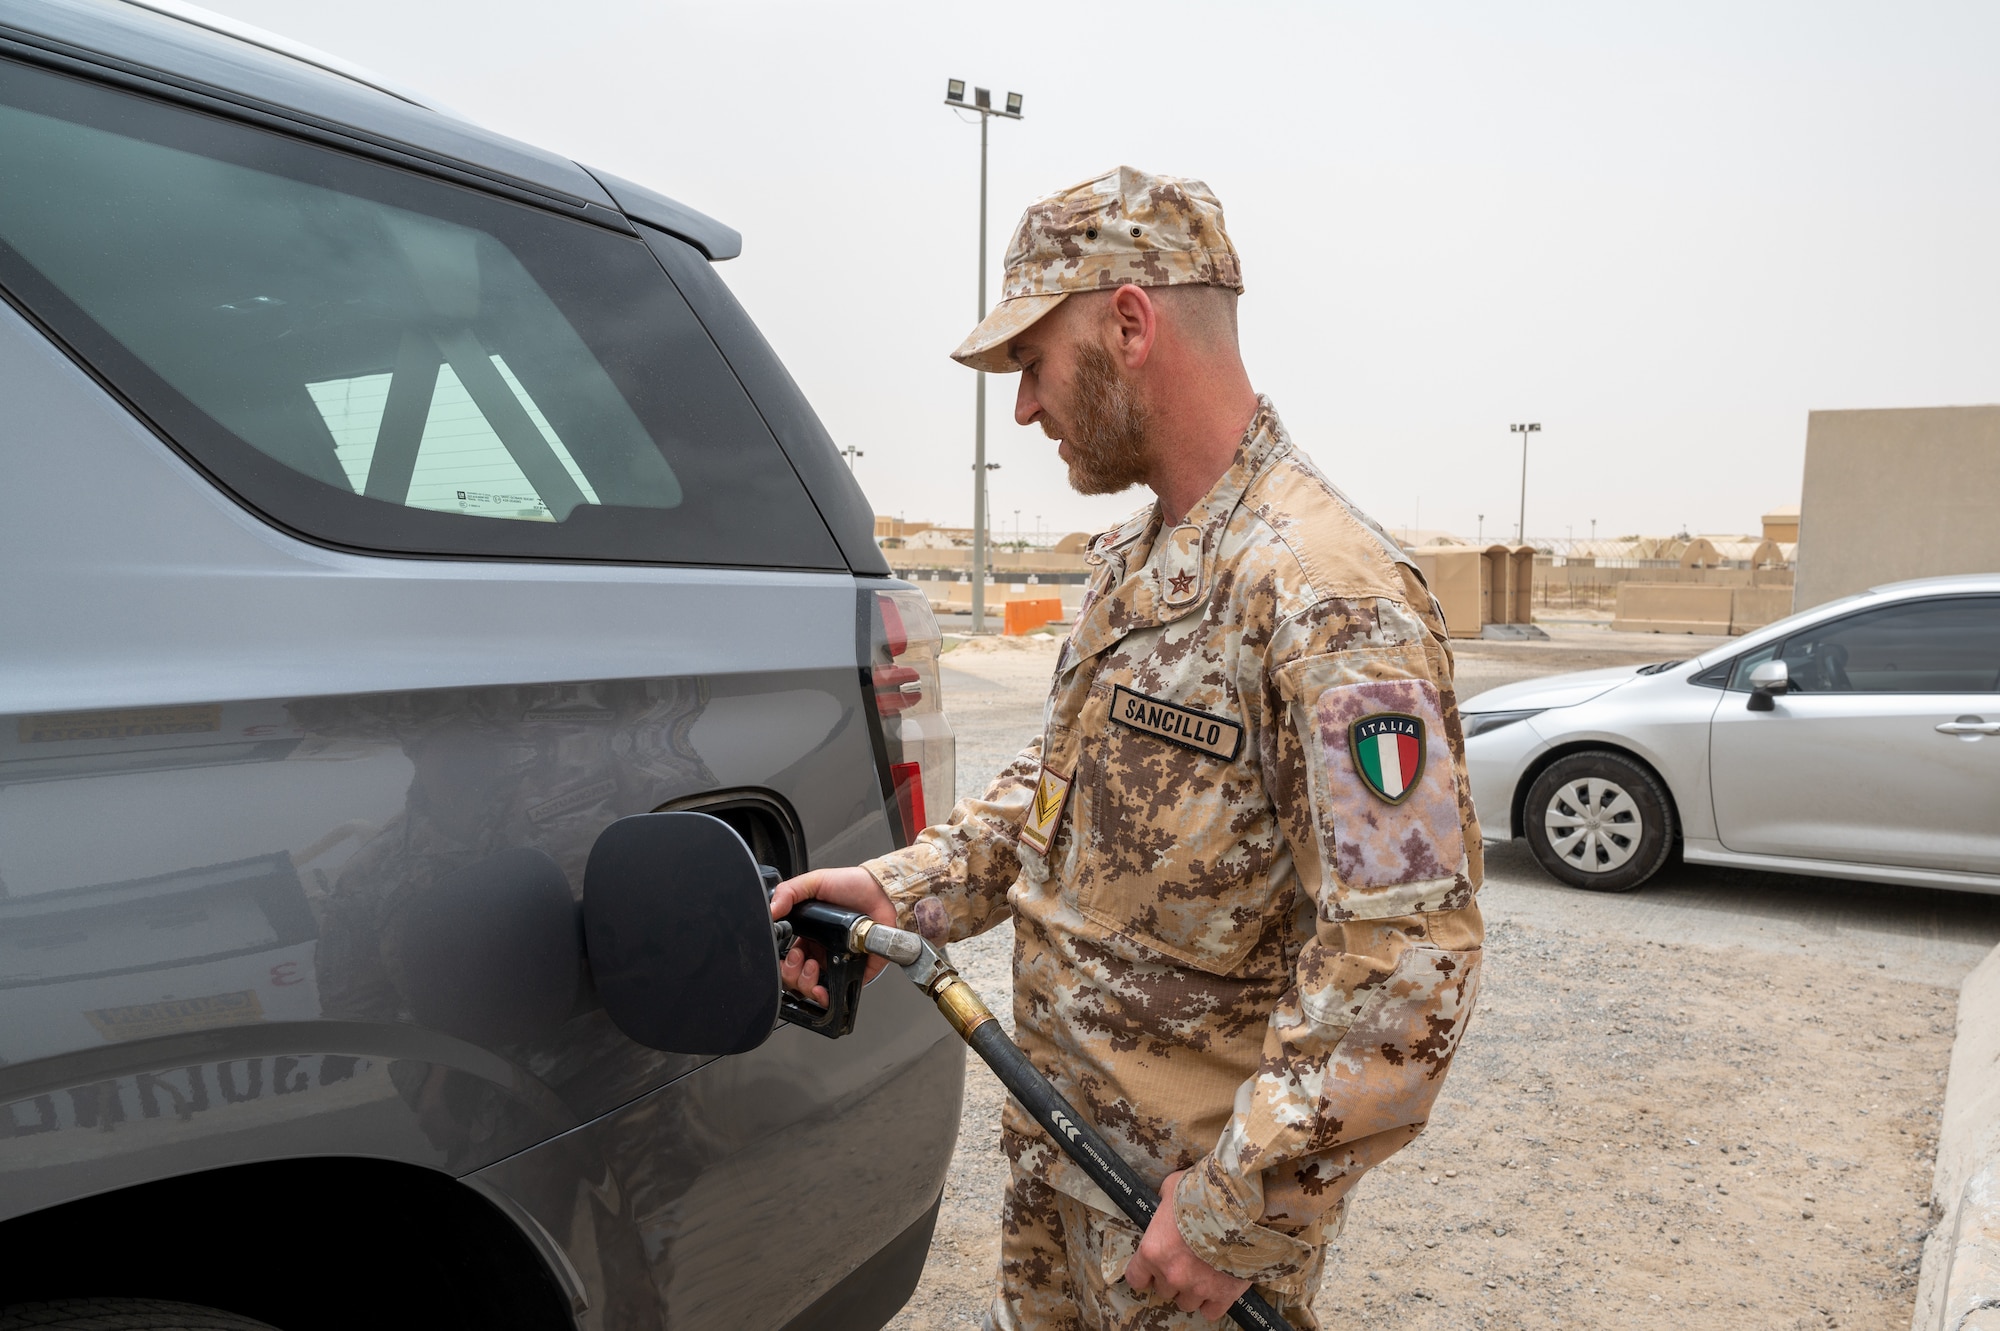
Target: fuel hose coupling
927, 967
961, 1004
898, 946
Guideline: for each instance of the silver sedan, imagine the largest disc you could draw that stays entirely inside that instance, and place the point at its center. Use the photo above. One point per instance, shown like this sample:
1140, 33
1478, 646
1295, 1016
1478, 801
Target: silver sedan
1859, 739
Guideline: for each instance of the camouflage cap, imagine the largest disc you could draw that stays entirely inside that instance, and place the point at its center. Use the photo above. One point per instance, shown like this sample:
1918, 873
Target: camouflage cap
1125, 226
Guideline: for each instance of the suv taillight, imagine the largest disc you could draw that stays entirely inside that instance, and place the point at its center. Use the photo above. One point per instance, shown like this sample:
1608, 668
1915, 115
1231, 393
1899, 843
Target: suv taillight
903, 671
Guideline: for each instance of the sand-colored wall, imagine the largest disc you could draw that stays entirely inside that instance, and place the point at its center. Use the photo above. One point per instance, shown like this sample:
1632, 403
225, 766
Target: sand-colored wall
959, 557
958, 595
1897, 494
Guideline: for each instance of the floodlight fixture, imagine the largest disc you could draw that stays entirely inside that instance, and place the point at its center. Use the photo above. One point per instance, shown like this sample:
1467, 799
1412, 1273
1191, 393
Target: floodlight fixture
954, 90
1013, 103
982, 99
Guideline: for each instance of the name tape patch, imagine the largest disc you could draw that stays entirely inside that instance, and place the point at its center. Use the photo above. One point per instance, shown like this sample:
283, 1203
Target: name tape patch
1215, 736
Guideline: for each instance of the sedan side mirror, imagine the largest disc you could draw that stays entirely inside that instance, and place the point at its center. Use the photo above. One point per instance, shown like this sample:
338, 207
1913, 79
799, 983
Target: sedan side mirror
678, 931
1767, 680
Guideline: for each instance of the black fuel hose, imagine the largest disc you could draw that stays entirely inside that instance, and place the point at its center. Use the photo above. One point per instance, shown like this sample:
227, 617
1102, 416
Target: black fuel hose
1069, 1129
976, 1024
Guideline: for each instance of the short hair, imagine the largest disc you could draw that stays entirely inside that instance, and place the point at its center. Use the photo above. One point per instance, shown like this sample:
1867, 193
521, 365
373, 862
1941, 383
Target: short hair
1207, 314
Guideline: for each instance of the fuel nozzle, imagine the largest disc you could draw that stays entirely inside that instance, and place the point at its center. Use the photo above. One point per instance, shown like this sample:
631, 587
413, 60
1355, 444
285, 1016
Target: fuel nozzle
842, 959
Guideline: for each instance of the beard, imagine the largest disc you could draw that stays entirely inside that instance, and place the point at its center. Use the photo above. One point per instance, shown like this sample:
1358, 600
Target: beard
1106, 429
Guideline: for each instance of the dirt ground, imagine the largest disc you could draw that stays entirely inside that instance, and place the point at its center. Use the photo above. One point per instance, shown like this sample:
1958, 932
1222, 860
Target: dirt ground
1639, 1133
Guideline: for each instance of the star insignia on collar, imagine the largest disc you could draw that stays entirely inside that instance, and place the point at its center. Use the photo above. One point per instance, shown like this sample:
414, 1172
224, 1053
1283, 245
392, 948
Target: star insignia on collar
1182, 583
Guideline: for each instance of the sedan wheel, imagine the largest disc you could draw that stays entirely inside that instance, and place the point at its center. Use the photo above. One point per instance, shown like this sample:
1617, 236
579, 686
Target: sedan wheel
1593, 824
1600, 821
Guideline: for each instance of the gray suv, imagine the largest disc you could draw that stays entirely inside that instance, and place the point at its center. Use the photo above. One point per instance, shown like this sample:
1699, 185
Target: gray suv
389, 508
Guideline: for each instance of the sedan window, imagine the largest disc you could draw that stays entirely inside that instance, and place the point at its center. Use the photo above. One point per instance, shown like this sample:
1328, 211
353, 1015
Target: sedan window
1948, 645
1739, 674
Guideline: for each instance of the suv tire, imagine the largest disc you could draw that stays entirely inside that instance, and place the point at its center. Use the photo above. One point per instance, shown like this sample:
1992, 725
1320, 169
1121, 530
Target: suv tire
122, 1315
1599, 820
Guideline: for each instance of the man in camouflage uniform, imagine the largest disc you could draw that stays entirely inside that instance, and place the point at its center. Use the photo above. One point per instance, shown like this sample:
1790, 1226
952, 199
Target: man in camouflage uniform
1241, 858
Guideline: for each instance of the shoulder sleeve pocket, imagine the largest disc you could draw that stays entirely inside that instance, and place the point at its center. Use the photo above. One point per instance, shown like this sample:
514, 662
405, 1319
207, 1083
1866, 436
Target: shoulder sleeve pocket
1384, 787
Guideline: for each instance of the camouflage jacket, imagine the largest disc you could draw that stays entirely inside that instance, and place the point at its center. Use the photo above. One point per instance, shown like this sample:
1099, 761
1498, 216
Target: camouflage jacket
1241, 861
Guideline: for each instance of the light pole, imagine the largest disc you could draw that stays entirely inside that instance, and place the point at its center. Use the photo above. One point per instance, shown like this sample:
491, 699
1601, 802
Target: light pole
1481, 538
982, 102
851, 453
982, 539
1521, 532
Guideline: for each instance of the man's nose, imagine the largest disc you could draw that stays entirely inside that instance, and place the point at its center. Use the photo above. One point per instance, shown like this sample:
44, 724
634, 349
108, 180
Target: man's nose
1026, 408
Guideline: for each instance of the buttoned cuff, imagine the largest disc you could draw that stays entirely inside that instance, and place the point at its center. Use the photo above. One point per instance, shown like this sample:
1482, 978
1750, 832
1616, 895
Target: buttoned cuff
1213, 1211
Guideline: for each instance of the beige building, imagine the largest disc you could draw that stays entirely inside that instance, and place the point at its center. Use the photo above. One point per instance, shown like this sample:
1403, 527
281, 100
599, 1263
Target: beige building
1781, 525
1896, 494
1479, 585
888, 529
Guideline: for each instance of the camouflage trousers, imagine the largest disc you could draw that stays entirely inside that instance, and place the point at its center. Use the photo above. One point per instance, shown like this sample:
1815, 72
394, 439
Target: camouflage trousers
1062, 1268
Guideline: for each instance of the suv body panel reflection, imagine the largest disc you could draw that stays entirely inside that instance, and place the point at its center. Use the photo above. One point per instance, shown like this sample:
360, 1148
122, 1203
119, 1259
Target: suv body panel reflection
233, 760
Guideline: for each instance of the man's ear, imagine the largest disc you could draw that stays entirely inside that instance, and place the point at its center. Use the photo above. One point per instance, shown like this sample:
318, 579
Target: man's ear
1132, 324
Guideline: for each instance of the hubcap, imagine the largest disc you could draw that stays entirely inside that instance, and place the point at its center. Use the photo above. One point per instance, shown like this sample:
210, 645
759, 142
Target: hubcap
1593, 824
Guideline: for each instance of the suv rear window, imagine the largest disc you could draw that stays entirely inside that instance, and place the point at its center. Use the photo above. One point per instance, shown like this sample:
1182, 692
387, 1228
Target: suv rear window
380, 359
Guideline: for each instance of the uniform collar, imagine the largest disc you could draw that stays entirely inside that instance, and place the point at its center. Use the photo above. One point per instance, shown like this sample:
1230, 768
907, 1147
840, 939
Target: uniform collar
1172, 569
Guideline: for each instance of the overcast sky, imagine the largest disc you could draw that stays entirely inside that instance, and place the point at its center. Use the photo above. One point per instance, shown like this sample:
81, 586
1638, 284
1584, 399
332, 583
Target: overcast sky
1665, 232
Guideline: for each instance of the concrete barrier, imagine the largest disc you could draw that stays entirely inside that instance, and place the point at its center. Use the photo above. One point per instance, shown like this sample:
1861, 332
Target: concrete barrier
1754, 607
1959, 1288
1645, 607
1687, 607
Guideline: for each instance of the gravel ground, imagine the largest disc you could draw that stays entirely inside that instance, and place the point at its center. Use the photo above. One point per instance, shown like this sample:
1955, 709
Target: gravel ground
1640, 1131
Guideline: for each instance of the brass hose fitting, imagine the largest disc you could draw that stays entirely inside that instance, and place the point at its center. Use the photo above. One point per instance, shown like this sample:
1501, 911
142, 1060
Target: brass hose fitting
961, 1005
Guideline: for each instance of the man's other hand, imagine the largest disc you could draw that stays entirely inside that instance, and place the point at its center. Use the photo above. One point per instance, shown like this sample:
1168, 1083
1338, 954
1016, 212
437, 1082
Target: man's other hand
1167, 1266
850, 889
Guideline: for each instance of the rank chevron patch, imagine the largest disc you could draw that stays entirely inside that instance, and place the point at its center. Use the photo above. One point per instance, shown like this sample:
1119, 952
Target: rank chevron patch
1046, 811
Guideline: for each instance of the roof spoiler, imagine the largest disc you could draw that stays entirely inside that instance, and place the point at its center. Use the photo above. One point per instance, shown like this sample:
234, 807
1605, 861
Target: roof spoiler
716, 241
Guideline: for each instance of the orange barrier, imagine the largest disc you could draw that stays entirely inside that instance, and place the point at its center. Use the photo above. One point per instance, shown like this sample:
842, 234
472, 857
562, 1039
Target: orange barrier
1027, 616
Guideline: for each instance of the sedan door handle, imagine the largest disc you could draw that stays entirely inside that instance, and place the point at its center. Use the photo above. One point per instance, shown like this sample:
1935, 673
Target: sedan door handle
1969, 725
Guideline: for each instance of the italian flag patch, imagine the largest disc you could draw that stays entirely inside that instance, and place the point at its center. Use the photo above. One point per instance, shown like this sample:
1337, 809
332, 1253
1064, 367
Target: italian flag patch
1388, 749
